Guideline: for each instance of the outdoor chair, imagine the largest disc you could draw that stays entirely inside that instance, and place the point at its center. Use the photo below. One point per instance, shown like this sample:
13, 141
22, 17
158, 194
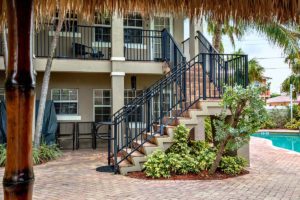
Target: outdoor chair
83, 50
85, 131
65, 132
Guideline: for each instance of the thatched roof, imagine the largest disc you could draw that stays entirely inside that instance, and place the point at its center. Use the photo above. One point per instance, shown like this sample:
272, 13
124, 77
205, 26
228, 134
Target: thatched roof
263, 10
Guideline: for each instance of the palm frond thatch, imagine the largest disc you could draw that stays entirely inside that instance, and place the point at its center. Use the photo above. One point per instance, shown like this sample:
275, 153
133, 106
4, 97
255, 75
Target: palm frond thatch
247, 10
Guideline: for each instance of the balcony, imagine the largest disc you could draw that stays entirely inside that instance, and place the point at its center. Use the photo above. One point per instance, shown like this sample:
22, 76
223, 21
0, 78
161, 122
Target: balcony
94, 43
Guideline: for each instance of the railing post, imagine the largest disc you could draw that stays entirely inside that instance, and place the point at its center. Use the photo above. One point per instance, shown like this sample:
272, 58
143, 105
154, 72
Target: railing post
115, 146
226, 72
246, 71
161, 112
210, 64
163, 44
204, 75
184, 78
174, 57
149, 111
73, 42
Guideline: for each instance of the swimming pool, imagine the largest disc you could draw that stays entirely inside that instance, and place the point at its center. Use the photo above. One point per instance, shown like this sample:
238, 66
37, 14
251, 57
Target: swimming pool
283, 140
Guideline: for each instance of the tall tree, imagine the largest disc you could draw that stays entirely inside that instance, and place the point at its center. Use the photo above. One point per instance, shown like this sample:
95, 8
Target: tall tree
4, 43
293, 79
285, 36
255, 71
45, 85
219, 29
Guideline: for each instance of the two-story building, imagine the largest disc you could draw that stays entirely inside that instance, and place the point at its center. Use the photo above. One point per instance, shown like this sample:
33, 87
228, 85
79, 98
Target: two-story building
97, 68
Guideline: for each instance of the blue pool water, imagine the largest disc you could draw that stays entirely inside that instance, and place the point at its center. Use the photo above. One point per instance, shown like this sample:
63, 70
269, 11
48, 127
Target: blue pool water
282, 140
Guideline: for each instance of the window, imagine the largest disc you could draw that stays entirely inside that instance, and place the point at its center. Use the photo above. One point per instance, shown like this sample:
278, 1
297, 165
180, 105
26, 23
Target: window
65, 101
69, 24
102, 29
102, 105
133, 28
129, 95
2, 94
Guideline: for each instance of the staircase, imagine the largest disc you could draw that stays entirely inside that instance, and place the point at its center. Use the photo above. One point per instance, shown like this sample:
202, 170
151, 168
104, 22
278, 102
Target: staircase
188, 93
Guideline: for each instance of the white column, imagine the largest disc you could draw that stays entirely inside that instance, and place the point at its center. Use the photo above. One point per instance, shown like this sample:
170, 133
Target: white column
195, 25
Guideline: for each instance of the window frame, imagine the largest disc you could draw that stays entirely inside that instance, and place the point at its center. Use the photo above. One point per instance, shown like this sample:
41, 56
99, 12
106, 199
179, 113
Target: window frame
133, 28
101, 23
101, 106
66, 101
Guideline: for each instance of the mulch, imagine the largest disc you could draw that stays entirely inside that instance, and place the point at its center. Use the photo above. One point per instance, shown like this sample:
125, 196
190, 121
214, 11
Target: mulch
204, 175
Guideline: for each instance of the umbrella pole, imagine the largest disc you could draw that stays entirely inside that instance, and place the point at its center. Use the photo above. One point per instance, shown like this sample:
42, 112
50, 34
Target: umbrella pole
20, 84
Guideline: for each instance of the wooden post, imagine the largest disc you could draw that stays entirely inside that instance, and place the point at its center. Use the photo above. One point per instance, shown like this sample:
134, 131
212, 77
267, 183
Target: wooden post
20, 83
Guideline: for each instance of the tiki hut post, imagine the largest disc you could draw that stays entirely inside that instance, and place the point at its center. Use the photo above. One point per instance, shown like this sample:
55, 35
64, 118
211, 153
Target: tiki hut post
20, 83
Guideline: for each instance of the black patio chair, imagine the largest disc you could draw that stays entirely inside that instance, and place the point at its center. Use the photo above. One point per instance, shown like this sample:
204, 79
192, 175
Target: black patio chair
65, 131
82, 50
85, 131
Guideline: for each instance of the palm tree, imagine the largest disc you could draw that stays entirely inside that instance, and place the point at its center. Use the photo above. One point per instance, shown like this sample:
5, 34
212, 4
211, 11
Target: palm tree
285, 36
255, 71
293, 79
218, 29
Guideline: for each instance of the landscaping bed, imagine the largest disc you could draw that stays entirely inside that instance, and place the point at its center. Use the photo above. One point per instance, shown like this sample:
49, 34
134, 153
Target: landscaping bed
204, 175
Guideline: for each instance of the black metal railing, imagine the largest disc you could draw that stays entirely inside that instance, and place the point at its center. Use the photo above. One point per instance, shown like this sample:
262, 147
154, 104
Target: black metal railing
142, 45
203, 77
82, 42
223, 69
152, 105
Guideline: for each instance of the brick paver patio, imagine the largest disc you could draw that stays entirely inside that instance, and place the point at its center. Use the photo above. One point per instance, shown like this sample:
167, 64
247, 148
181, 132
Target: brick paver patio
274, 174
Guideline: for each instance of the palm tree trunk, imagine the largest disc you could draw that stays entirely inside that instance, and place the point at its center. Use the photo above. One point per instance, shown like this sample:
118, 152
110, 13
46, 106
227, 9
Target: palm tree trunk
46, 78
217, 37
20, 88
5, 50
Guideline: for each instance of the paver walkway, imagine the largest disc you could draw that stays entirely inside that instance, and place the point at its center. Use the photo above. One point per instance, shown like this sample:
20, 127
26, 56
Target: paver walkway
274, 174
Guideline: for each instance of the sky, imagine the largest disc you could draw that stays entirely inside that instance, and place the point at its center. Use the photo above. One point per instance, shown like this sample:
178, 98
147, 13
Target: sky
270, 56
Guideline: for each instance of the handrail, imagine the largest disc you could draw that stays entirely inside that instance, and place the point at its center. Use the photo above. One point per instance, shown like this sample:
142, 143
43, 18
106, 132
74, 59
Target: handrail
183, 86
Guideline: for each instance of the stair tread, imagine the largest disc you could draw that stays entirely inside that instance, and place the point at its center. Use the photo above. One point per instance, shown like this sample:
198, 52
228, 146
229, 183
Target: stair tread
146, 144
155, 134
125, 163
136, 153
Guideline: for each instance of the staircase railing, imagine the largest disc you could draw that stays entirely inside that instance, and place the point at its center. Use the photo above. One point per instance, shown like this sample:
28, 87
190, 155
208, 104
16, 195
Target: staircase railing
223, 69
139, 116
183, 86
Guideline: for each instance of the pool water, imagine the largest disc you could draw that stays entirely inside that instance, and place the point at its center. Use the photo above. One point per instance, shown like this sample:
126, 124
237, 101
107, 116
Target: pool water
282, 140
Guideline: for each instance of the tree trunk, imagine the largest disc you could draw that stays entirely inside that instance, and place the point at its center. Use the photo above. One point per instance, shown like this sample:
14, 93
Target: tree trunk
20, 84
217, 37
46, 78
220, 152
5, 50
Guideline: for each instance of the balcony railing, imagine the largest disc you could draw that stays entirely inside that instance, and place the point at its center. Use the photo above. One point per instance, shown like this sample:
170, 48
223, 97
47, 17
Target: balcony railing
94, 43
142, 45
82, 42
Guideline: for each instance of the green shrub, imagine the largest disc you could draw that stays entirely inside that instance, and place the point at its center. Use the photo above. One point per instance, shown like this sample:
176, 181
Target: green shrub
293, 124
203, 154
232, 165
182, 164
276, 118
44, 154
208, 130
2, 155
181, 137
157, 165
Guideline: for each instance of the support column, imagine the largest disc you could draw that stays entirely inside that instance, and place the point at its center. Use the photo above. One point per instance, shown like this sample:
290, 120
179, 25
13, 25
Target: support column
117, 83
178, 26
195, 25
19, 89
117, 38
